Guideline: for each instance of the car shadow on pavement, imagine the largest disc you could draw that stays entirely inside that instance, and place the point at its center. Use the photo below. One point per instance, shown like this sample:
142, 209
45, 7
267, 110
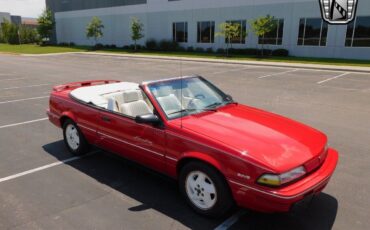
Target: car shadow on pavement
160, 193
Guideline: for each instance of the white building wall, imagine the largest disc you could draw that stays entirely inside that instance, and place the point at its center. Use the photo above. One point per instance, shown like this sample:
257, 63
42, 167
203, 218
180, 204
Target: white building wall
158, 16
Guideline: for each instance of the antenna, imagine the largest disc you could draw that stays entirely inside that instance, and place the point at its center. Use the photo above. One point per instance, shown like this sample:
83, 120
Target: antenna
182, 96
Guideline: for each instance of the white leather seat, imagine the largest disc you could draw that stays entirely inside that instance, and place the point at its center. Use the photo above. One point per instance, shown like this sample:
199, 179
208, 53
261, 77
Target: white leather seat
169, 102
113, 105
114, 101
134, 104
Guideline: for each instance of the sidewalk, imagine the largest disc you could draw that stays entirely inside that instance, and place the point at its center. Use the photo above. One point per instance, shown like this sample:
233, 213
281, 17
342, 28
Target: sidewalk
225, 61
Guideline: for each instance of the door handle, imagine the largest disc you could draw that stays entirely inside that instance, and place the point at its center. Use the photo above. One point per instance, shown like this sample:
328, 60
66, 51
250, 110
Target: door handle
106, 119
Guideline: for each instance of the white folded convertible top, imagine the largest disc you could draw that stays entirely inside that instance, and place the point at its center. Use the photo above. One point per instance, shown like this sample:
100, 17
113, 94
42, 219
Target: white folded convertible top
94, 94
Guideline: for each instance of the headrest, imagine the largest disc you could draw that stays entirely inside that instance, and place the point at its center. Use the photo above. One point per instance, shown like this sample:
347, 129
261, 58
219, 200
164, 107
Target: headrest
131, 96
164, 91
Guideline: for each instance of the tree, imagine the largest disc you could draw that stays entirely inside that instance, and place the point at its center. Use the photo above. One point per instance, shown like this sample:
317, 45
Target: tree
27, 35
230, 31
46, 25
95, 29
137, 29
9, 32
263, 25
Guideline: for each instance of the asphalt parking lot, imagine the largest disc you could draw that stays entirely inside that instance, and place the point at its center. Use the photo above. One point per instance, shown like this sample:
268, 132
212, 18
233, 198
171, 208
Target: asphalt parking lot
43, 187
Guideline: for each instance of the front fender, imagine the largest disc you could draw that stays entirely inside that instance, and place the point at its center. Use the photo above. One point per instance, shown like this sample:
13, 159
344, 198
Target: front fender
202, 157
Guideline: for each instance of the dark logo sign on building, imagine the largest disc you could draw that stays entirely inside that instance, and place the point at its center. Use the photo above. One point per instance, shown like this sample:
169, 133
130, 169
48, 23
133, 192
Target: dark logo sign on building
338, 11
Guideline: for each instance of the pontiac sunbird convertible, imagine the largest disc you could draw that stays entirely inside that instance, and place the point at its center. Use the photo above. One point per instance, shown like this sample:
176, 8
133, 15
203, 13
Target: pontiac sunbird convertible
221, 152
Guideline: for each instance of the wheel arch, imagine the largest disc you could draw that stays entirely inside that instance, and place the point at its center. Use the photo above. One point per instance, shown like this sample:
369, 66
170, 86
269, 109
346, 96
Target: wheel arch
66, 116
196, 156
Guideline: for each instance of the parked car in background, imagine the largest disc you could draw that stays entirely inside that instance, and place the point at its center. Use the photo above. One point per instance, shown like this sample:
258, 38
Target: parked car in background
222, 153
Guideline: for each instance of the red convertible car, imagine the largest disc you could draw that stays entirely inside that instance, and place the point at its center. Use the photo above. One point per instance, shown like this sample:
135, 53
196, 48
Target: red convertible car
221, 152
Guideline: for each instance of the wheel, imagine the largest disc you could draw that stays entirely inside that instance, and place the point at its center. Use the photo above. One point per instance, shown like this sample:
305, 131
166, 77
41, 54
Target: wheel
74, 139
205, 189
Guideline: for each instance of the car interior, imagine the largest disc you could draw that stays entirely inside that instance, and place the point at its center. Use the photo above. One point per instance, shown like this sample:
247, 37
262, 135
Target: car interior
131, 103
124, 98
128, 99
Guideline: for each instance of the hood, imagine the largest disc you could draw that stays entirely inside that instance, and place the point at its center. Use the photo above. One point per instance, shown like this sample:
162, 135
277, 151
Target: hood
272, 140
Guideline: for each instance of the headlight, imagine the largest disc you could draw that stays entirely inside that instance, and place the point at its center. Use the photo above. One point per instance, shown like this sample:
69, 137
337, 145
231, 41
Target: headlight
278, 180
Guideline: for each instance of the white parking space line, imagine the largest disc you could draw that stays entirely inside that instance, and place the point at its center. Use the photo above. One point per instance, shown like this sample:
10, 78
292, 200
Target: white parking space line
231, 220
332, 78
6, 74
20, 87
12, 177
276, 74
23, 123
25, 99
12, 79
37, 169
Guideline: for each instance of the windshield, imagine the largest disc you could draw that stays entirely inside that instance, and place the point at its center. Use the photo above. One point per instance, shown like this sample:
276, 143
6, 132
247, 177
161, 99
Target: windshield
181, 97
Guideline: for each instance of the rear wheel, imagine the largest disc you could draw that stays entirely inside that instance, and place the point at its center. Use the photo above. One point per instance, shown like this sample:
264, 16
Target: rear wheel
205, 189
74, 139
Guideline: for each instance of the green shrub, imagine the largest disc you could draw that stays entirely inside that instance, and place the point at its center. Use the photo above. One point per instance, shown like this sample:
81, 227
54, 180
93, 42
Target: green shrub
181, 49
28, 35
9, 32
151, 44
190, 49
138, 47
250, 51
199, 50
237, 51
168, 45
98, 46
209, 50
220, 51
265, 52
280, 52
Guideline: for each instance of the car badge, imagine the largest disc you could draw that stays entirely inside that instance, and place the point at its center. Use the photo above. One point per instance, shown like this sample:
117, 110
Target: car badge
338, 11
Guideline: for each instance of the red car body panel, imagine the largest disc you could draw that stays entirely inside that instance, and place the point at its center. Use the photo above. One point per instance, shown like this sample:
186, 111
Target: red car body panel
242, 142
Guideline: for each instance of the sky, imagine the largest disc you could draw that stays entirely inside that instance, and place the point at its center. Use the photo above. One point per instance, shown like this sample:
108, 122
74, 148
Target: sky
24, 8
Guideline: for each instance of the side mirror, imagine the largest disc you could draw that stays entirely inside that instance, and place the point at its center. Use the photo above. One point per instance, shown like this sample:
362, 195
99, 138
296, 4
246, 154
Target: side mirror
148, 119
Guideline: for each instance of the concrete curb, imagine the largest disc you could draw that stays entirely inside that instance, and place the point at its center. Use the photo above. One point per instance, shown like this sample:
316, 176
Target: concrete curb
223, 61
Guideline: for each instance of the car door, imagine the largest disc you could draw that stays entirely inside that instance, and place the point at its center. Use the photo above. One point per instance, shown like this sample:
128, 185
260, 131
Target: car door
139, 142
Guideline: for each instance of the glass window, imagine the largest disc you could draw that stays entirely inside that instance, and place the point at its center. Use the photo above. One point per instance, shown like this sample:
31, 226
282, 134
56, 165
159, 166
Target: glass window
358, 33
312, 32
206, 32
185, 96
275, 37
302, 22
180, 31
243, 32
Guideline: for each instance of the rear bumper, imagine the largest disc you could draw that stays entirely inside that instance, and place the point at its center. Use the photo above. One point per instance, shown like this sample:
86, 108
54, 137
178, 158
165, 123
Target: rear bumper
282, 199
53, 118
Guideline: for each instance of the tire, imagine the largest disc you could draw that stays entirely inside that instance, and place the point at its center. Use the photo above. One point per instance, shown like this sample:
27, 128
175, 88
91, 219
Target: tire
74, 139
205, 189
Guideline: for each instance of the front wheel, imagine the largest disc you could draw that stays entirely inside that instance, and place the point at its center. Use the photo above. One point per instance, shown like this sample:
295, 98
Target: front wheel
74, 139
205, 189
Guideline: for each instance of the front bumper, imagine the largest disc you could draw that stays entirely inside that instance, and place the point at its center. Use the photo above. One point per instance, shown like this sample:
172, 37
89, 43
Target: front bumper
282, 199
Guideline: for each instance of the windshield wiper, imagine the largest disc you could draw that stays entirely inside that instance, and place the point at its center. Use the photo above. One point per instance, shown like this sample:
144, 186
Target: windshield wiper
214, 105
192, 110
232, 102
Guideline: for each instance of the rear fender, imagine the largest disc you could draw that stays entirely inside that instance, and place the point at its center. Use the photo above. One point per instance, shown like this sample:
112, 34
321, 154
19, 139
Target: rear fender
67, 115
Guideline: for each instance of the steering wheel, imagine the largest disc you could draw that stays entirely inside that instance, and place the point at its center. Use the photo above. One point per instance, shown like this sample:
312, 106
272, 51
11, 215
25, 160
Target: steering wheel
199, 96
191, 104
